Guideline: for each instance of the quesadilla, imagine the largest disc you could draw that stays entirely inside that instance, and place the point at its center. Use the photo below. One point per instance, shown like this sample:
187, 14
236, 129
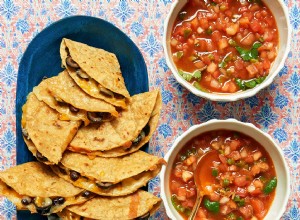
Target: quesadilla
124, 135
33, 186
62, 94
139, 205
109, 176
96, 71
44, 131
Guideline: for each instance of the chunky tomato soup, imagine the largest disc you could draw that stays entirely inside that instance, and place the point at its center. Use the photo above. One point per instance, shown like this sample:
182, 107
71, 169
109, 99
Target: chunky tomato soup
224, 46
239, 182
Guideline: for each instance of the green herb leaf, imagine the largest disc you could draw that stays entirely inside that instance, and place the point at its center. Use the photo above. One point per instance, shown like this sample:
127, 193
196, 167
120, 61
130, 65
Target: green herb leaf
247, 55
226, 182
185, 75
199, 87
222, 64
240, 83
270, 186
250, 84
197, 74
209, 31
186, 33
213, 207
179, 54
214, 172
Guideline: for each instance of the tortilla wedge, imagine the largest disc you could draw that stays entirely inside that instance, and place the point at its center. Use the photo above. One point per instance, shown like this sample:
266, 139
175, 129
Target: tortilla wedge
42, 126
61, 93
118, 137
40, 187
95, 69
133, 206
109, 176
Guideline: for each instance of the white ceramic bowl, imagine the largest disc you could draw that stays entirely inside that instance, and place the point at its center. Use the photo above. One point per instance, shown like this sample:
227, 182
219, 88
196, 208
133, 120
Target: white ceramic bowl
281, 15
283, 185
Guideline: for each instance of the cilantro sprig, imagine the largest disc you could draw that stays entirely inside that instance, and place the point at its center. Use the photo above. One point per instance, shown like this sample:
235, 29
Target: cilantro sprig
249, 84
248, 55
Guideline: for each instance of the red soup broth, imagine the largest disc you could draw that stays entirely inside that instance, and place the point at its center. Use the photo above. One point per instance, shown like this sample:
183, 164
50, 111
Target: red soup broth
224, 46
239, 183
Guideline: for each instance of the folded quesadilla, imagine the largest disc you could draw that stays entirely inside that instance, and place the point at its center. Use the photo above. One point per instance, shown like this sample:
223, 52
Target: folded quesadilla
139, 205
62, 94
109, 176
126, 134
33, 186
44, 131
96, 71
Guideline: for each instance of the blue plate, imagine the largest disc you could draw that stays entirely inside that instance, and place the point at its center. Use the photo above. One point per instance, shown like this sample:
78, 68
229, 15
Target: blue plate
42, 58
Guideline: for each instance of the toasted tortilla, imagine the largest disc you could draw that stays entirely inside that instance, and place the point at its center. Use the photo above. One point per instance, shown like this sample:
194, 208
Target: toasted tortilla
65, 89
112, 139
105, 208
34, 179
127, 174
49, 135
101, 66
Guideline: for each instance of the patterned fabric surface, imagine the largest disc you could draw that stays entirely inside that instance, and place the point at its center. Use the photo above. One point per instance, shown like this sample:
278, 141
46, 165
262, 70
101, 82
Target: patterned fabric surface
275, 110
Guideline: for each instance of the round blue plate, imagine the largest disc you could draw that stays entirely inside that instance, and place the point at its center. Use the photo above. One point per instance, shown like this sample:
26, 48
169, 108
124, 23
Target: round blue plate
42, 58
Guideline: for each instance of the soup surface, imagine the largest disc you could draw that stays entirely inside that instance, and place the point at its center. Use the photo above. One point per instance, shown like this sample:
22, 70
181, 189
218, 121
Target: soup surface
239, 182
224, 46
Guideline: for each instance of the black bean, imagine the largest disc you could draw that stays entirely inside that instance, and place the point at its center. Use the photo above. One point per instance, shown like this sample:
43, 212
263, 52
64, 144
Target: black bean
59, 201
71, 63
43, 210
40, 157
86, 194
104, 185
73, 109
74, 175
26, 200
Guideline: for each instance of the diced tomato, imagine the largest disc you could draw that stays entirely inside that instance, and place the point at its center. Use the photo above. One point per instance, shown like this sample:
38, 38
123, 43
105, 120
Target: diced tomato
255, 26
195, 23
189, 203
247, 211
203, 22
234, 144
181, 194
174, 185
240, 181
200, 64
258, 207
242, 192
256, 192
214, 196
216, 36
223, 159
235, 155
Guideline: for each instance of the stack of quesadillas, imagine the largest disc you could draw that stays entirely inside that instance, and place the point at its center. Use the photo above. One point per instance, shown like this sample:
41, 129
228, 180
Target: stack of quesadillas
86, 131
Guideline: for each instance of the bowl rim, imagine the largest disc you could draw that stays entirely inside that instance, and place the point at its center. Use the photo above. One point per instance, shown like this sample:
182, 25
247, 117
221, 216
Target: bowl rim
229, 121
227, 97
